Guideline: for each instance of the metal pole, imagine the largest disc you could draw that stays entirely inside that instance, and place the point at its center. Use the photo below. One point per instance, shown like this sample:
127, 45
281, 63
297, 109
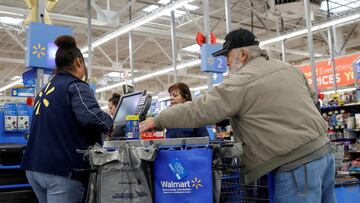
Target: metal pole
332, 60
131, 56
311, 47
283, 53
39, 71
173, 44
41, 11
207, 33
89, 64
228, 15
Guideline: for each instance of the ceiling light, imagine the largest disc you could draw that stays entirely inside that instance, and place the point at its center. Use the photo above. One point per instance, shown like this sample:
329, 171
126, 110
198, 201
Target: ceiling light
191, 7
10, 13
164, 2
113, 75
151, 75
17, 77
150, 8
313, 29
195, 48
18, 82
137, 23
177, 13
199, 88
11, 21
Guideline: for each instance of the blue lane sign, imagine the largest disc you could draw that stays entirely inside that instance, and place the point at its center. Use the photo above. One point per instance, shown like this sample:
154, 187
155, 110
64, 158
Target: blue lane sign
210, 63
357, 66
40, 47
23, 92
217, 78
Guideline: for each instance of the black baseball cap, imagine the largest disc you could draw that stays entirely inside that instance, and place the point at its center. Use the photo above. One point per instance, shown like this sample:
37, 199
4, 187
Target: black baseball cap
236, 39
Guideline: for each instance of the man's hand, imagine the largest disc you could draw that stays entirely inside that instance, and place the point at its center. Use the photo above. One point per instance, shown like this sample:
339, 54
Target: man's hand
148, 124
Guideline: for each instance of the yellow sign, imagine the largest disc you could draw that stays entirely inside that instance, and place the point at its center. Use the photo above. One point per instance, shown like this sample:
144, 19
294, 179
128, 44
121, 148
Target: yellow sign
38, 50
44, 100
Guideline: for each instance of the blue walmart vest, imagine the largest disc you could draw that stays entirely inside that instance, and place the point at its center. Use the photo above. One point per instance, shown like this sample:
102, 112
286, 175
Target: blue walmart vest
55, 133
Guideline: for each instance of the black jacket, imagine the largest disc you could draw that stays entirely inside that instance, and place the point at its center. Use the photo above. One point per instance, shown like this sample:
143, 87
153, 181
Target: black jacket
66, 117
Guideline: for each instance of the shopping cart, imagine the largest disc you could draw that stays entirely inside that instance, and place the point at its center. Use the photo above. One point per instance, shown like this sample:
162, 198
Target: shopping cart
233, 188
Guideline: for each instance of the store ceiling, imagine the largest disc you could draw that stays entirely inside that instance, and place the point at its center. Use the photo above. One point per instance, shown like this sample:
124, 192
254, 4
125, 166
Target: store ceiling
152, 41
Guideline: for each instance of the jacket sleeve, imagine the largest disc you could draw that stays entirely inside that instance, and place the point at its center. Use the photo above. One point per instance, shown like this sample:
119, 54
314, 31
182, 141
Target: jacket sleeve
86, 109
220, 102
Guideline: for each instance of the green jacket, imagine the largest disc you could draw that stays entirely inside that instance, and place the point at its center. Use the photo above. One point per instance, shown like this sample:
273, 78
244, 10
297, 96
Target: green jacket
271, 111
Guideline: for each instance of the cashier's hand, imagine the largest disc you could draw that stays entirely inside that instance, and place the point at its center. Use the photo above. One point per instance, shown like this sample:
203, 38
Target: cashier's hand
148, 124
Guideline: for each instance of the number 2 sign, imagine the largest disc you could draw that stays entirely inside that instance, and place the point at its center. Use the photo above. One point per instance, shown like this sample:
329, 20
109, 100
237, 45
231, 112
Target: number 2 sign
210, 63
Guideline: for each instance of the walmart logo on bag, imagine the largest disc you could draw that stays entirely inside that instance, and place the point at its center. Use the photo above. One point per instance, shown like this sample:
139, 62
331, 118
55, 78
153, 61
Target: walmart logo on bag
196, 183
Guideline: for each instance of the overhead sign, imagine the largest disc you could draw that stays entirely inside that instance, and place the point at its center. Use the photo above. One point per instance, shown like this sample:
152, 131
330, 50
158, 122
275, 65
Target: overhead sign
217, 78
344, 71
208, 62
40, 52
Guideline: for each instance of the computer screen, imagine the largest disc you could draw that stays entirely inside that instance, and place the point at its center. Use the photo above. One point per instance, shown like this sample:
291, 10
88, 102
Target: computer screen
127, 106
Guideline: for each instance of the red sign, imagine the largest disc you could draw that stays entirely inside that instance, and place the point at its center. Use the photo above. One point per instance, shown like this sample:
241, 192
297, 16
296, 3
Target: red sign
325, 78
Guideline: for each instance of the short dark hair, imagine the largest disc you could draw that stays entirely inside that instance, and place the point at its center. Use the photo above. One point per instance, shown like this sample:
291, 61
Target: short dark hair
184, 90
67, 52
115, 99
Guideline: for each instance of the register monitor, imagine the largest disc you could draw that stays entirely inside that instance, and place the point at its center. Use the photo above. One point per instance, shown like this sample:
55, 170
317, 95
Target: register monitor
137, 103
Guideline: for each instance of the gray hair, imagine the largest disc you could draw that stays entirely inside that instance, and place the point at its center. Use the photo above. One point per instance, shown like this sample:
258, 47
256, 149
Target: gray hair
254, 51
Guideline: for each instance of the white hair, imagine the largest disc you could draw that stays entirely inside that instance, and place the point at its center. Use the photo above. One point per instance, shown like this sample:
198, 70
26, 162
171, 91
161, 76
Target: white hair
254, 51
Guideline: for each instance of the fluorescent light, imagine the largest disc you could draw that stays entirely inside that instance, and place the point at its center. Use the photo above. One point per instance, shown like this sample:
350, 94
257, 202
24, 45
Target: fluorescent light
11, 20
18, 82
150, 8
151, 75
195, 48
164, 2
86, 55
104, 108
313, 29
177, 13
17, 77
187, 6
113, 74
339, 91
137, 23
10, 13
199, 88
191, 7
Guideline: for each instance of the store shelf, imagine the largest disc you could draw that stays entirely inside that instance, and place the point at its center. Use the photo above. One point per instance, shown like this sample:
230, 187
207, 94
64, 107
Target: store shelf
10, 167
356, 151
348, 172
337, 127
344, 140
14, 186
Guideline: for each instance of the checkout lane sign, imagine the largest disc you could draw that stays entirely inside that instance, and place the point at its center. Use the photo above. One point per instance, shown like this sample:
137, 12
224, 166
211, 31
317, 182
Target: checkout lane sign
23, 92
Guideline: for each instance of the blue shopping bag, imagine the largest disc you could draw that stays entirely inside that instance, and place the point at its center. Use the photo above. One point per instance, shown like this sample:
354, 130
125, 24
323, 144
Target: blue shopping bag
183, 176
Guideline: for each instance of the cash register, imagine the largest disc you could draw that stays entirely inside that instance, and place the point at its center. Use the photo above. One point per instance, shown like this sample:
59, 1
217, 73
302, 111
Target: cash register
137, 103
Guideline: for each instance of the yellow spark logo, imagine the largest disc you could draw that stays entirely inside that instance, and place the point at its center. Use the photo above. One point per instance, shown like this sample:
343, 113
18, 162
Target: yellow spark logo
38, 50
196, 183
44, 100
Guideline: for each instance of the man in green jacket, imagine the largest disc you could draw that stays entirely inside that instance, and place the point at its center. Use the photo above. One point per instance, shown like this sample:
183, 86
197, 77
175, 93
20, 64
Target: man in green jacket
272, 114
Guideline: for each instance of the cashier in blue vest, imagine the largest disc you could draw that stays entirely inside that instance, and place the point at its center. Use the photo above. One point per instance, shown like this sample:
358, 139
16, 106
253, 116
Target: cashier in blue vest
180, 93
66, 117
